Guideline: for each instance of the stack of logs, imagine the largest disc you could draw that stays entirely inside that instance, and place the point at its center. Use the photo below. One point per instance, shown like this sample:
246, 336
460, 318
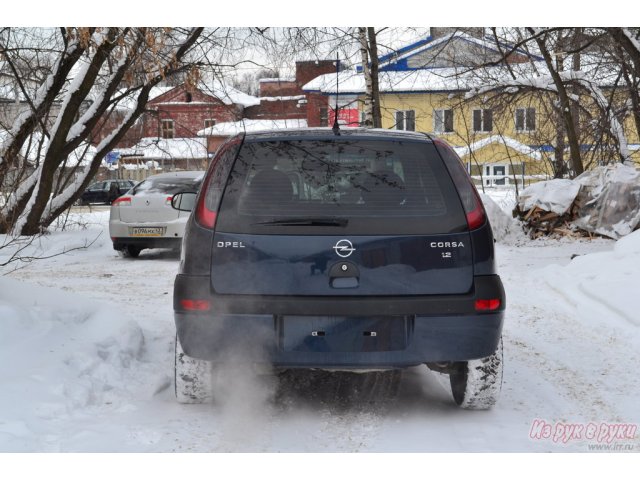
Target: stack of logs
541, 223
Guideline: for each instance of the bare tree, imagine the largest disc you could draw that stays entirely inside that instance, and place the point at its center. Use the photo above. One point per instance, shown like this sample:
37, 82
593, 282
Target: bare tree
579, 83
45, 160
367, 37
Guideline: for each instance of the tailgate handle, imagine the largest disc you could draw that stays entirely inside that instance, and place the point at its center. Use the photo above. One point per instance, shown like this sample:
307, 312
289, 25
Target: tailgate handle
344, 275
345, 282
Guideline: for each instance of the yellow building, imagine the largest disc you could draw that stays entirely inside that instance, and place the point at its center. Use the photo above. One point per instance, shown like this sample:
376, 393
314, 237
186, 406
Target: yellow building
503, 135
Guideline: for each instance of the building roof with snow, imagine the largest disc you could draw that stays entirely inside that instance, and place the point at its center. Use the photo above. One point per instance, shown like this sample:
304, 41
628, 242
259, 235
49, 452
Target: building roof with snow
458, 48
166, 148
217, 89
249, 125
448, 64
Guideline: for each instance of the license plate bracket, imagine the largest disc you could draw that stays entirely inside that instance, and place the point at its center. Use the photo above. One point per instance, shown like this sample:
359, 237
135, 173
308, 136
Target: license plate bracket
304, 333
147, 231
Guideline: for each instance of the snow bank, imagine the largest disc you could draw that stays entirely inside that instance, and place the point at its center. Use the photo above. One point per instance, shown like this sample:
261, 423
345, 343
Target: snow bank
552, 196
59, 352
597, 285
503, 226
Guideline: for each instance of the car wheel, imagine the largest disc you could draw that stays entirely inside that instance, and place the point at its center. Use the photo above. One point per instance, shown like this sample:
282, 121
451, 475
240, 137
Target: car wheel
131, 251
193, 377
476, 384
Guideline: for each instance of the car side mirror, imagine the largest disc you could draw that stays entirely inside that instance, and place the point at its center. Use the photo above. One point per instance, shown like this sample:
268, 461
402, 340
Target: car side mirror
184, 201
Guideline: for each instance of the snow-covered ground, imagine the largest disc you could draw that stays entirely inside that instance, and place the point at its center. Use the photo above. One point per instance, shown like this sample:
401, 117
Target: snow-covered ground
86, 362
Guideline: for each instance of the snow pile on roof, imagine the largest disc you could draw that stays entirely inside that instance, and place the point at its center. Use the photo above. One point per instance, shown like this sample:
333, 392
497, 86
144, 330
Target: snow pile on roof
249, 125
552, 196
283, 79
148, 165
282, 99
455, 79
507, 141
167, 148
226, 93
444, 79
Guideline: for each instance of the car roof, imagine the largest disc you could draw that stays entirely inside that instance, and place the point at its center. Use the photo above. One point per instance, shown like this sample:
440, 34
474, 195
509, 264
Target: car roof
181, 174
328, 134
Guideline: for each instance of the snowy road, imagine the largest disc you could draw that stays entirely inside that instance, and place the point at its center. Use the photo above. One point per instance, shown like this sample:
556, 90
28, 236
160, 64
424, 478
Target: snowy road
86, 358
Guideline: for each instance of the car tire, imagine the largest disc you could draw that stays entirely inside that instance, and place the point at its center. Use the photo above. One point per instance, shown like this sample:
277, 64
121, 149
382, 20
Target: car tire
476, 384
193, 377
131, 251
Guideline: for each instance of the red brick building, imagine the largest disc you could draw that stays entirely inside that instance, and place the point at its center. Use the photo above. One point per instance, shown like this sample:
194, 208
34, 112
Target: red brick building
282, 99
177, 115
182, 112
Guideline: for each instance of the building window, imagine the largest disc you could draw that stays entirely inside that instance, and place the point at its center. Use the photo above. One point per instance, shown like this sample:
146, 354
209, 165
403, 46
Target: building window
209, 122
324, 117
406, 120
443, 121
483, 120
167, 129
525, 119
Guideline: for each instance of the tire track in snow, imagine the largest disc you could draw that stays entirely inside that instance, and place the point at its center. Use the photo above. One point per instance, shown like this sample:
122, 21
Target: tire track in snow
345, 410
538, 349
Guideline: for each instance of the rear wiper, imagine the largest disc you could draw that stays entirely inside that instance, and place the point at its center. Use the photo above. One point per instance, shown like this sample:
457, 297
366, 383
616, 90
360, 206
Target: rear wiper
313, 222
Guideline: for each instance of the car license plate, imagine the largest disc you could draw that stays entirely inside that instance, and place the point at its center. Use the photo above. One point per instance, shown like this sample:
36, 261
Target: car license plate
147, 231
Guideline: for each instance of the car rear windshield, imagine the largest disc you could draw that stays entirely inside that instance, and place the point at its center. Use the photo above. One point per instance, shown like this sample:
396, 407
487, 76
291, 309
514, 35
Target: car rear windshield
168, 185
336, 186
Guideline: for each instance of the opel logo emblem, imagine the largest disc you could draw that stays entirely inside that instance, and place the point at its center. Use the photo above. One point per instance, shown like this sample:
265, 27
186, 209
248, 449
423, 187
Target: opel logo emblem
344, 248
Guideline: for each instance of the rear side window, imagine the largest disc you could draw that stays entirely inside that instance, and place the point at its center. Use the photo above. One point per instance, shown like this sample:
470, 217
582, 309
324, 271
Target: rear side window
378, 187
168, 185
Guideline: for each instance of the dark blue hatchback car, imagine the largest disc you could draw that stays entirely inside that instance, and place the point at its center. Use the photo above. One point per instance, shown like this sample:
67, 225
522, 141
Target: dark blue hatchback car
365, 250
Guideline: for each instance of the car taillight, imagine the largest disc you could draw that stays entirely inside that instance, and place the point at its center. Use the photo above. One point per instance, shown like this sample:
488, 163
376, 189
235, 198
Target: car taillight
168, 200
122, 202
213, 185
194, 305
475, 217
471, 201
483, 305
204, 216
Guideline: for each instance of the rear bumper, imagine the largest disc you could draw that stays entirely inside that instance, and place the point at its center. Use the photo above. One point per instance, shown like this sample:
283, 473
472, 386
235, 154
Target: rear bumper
120, 233
336, 332
119, 243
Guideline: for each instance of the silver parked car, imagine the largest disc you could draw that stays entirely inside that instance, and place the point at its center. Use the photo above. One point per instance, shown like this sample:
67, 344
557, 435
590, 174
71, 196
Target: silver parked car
143, 217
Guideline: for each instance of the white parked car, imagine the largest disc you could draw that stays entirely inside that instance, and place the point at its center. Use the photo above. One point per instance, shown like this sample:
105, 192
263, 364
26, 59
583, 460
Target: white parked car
143, 217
